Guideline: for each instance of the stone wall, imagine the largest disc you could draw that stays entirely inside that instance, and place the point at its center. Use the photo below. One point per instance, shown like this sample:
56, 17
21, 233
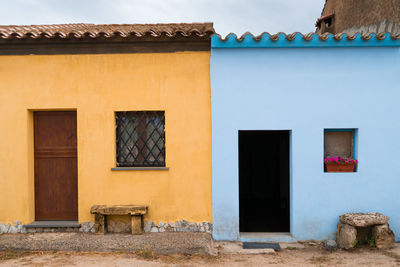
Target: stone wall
383, 26
17, 227
88, 227
372, 15
178, 226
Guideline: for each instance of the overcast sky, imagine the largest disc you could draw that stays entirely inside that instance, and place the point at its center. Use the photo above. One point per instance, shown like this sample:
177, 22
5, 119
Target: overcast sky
236, 16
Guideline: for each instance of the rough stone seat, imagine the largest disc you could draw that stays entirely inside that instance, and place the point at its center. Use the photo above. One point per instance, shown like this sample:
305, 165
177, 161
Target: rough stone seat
351, 224
102, 211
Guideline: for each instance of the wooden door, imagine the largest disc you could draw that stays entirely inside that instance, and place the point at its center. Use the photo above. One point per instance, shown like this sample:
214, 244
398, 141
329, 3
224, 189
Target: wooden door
56, 180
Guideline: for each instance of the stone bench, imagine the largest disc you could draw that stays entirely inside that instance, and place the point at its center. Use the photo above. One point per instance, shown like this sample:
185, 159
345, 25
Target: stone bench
102, 211
354, 227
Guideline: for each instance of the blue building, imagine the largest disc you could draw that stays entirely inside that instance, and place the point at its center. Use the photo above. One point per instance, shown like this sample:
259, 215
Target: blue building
280, 105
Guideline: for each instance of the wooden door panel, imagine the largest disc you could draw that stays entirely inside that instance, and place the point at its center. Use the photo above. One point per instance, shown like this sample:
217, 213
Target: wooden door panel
56, 194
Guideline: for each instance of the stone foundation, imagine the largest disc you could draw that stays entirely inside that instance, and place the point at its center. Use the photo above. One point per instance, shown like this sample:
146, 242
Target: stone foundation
88, 227
18, 228
178, 226
12, 229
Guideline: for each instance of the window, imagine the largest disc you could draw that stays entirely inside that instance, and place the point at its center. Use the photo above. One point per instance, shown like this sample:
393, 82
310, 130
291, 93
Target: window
140, 138
340, 143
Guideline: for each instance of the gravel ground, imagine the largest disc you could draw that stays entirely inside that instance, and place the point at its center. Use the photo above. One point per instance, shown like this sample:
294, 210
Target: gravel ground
160, 243
307, 256
174, 249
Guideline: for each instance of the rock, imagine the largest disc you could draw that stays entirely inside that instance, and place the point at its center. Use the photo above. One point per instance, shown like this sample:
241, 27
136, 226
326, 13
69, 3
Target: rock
86, 227
83, 228
21, 229
147, 227
154, 230
13, 230
330, 245
346, 236
161, 230
383, 236
161, 224
16, 223
184, 223
363, 219
3, 229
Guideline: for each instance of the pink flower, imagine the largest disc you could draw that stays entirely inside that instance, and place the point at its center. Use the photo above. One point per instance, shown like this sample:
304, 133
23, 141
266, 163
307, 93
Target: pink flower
339, 160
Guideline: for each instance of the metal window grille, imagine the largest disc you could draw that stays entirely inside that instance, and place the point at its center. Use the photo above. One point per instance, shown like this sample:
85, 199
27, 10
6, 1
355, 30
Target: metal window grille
140, 138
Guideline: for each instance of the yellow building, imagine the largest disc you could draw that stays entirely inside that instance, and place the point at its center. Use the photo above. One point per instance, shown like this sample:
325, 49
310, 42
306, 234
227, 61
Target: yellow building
105, 114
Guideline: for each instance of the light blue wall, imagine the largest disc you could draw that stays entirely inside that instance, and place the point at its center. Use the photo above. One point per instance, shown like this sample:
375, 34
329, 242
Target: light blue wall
306, 90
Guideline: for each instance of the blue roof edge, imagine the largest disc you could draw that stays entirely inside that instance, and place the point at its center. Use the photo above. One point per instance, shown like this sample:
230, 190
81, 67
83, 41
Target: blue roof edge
298, 40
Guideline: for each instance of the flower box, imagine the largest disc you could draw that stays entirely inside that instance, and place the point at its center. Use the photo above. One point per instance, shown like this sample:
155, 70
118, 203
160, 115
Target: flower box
338, 164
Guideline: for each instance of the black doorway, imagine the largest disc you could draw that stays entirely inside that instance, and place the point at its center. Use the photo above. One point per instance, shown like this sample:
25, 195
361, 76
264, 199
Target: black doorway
264, 181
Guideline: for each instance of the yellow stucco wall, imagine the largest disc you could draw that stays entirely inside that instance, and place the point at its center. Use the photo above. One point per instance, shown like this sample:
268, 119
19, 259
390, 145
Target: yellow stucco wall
97, 86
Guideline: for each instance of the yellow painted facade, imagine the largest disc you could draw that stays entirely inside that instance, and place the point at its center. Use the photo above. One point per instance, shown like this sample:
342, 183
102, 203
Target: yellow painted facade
96, 86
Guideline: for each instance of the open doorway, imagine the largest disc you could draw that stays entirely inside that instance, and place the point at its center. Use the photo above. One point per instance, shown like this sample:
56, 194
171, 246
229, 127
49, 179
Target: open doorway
264, 204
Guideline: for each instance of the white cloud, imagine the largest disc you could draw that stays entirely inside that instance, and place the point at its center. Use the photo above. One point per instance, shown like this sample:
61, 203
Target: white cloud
236, 16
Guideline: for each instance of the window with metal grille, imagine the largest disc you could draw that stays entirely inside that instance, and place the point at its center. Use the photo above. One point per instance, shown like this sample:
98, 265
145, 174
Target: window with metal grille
140, 138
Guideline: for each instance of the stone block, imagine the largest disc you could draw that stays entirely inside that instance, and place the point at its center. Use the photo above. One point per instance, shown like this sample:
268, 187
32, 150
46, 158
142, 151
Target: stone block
21, 229
99, 224
147, 227
383, 236
136, 224
3, 229
346, 236
363, 219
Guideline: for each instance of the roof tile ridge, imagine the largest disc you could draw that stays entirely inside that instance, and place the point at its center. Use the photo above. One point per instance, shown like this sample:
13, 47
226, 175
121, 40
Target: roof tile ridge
276, 36
308, 36
243, 36
261, 35
224, 39
395, 37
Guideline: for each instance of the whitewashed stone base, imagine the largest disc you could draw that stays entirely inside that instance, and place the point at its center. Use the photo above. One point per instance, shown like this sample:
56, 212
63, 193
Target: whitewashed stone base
88, 227
178, 226
18, 228
15, 228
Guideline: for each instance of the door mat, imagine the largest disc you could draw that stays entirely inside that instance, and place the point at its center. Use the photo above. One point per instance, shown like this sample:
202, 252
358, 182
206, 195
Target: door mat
255, 245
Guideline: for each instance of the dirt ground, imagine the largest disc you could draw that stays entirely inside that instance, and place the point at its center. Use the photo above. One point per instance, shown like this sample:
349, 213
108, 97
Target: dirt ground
307, 256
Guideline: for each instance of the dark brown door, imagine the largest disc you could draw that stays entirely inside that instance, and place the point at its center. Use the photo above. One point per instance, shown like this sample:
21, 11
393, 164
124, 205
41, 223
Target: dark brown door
56, 180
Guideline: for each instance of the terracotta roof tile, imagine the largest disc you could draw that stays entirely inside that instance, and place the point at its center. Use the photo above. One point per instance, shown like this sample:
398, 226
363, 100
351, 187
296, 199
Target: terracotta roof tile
83, 30
309, 36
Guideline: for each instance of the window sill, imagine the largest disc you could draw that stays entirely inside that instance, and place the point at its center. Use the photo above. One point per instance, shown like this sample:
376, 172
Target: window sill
140, 169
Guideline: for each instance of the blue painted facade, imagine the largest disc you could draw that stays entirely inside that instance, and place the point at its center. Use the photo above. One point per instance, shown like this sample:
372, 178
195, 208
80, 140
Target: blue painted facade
304, 88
